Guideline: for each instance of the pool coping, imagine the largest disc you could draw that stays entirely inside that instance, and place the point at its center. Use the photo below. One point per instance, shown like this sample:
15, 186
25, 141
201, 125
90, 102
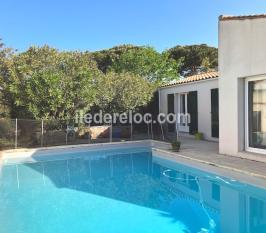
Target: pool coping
211, 163
225, 171
157, 146
26, 152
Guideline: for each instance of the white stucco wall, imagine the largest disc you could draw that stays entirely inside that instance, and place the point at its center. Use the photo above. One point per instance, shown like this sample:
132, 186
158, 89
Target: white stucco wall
204, 101
242, 53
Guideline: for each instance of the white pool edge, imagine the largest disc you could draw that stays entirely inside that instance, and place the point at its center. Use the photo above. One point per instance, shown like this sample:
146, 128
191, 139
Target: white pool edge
221, 170
58, 149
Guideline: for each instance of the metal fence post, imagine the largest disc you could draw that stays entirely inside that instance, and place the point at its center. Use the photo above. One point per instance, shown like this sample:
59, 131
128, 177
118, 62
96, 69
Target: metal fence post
148, 128
151, 131
111, 132
162, 133
16, 134
42, 135
66, 134
89, 134
131, 131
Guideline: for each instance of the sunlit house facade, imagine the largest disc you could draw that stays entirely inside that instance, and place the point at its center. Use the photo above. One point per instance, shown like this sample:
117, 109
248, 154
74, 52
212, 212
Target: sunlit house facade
231, 104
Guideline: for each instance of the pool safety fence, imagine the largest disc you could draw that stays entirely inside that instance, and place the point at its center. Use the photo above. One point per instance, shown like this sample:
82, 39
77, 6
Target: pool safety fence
28, 133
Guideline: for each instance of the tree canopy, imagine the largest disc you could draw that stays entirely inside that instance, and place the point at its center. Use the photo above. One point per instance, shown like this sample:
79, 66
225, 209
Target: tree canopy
149, 64
139, 60
51, 84
120, 92
105, 58
46, 83
6, 98
194, 56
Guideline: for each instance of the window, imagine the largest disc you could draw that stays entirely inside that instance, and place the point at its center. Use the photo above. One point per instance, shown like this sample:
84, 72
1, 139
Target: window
256, 114
183, 103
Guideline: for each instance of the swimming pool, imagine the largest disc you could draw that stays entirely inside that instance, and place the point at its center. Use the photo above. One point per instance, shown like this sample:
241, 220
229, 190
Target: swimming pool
125, 190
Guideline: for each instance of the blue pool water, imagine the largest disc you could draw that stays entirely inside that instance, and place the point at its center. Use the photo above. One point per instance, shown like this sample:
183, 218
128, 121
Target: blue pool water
124, 191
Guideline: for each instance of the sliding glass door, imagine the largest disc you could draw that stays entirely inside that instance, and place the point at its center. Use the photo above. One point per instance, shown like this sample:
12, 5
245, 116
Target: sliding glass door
256, 115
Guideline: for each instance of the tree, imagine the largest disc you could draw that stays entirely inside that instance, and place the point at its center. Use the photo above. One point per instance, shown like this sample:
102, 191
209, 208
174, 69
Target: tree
194, 56
147, 63
142, 61
122, 92
6, 99
50, 84
105, 58
46, 83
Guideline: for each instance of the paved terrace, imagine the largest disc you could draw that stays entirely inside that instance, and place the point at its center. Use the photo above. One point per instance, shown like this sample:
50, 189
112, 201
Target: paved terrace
206, 153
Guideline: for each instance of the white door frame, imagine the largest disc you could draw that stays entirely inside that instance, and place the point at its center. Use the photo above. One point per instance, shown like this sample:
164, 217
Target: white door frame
247, 147
183, 128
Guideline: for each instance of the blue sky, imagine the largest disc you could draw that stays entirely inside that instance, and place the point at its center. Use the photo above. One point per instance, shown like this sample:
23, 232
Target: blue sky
95, 25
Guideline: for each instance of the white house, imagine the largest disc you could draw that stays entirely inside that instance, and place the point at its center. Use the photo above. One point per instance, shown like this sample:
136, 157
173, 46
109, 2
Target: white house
198, 96
242, 84
242, 89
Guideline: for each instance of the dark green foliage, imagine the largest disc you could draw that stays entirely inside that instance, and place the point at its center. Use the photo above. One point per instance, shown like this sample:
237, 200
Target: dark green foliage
53, 84
6, 98
143, 61
43, 82
107, 57
176, 145
120, 92
194, 56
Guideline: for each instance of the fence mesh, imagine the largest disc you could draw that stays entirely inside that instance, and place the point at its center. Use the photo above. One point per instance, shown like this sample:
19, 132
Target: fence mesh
28, 133
25, 133
7, 133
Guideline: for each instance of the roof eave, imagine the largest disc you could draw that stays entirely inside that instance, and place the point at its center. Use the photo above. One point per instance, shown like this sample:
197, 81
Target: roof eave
241, 17
188, 83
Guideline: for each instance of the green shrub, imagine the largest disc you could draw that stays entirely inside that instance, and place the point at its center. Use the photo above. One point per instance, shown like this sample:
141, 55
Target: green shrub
198, 136
176, 145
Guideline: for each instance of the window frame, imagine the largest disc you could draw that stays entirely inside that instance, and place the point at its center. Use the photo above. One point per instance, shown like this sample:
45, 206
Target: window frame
247, 147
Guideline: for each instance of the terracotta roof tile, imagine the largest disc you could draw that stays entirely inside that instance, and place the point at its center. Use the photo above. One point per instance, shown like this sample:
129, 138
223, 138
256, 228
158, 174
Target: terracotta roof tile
194, 78
241, 17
